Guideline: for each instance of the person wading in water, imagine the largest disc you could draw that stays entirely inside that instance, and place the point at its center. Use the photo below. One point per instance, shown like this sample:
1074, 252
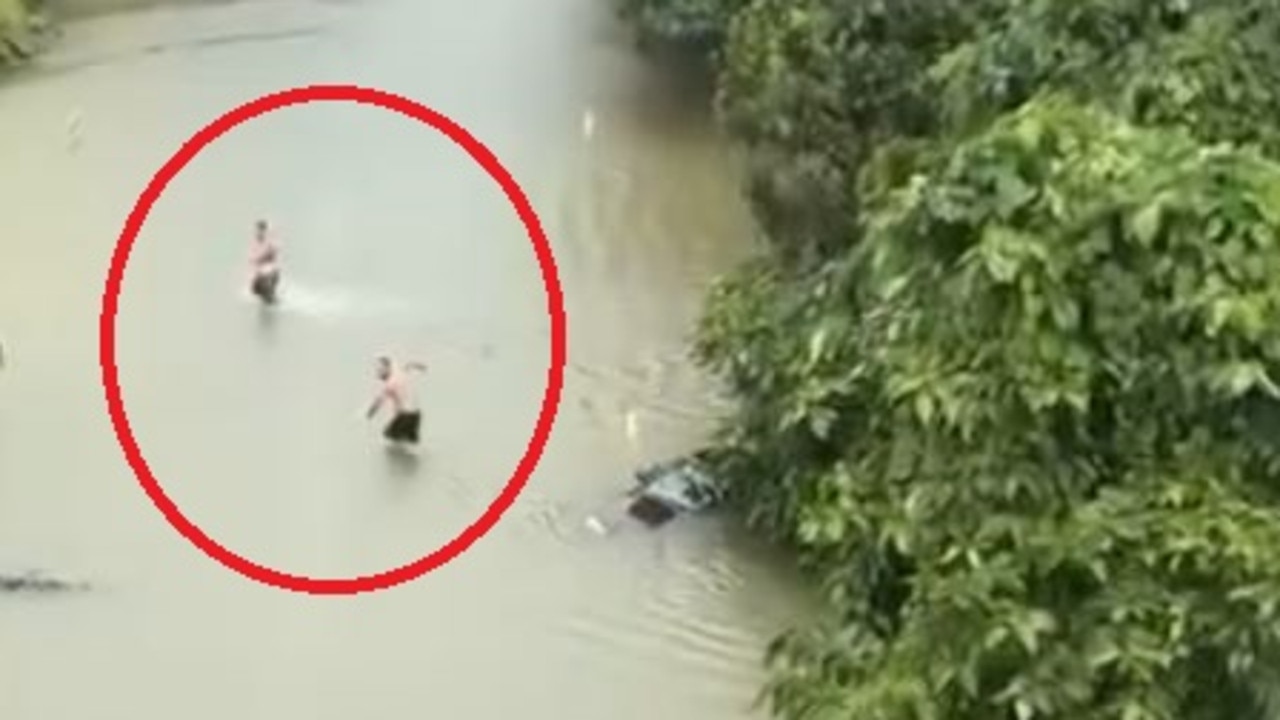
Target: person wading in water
406, 420
265, 261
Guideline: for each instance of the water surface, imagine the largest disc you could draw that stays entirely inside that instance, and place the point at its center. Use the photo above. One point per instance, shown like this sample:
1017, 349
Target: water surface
393, 241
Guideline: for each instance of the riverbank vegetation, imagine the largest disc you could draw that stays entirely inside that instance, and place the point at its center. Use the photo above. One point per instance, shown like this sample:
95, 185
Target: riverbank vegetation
1007, 380
22, 25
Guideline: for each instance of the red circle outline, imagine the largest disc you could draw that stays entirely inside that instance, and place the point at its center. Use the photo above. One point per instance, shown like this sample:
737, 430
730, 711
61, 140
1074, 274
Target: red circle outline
555, 309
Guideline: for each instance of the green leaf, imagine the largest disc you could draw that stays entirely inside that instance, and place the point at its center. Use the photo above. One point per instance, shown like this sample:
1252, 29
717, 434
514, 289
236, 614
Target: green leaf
995, 637
817, 343
1066, 314
1030, 627
1134, 711
1102, 652
999, 251
1147, 222
1012, 194
821, 421
1238, 378
924, 408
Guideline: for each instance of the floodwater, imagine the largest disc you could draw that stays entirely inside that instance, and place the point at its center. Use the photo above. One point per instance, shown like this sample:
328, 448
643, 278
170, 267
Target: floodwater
393, 240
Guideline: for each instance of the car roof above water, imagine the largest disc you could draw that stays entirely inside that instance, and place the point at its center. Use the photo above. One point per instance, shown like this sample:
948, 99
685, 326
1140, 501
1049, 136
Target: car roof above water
682, 483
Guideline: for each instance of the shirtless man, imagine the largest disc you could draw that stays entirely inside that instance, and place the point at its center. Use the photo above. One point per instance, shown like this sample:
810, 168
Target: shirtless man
407, 419
265, 261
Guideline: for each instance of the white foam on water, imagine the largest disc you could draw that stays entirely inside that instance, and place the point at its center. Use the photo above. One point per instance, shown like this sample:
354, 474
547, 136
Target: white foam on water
596, 525
317, 302
332, 302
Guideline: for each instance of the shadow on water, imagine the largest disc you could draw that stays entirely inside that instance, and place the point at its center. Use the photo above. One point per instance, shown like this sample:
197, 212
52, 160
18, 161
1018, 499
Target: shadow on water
402, 462
268, 322
677, 92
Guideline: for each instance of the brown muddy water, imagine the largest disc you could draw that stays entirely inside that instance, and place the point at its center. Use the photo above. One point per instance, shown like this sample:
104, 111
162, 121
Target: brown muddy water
392, 240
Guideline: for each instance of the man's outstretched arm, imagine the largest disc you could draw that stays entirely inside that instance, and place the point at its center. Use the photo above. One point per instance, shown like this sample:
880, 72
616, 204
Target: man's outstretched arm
375, 405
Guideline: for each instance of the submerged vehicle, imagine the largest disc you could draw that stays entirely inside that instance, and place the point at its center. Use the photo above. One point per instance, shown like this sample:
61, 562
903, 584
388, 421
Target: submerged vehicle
665, 490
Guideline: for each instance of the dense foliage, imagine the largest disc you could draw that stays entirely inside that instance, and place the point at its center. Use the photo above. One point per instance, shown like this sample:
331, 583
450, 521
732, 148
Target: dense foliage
21, 24
1007, 381
817, 86
695, 22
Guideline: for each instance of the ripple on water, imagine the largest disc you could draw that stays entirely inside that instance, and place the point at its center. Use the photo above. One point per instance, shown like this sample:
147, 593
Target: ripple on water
679, 611
334, 303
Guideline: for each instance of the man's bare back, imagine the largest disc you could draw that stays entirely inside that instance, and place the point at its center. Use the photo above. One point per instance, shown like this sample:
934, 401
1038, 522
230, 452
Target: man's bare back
396, 390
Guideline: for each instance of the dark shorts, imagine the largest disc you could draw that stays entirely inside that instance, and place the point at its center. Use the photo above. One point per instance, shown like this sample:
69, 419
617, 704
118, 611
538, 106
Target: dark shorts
264, 286
403, 427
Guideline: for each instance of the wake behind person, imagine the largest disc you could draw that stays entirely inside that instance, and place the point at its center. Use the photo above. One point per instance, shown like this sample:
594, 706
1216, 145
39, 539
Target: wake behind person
265, 262
396, 389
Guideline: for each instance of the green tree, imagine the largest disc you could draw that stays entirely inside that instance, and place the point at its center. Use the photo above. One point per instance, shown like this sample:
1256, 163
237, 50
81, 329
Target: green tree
1006, 379
818, 88
813, 87
1211, 66
1028, 431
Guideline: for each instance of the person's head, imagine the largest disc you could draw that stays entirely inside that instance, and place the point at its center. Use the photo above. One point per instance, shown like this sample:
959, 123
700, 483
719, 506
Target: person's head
260, 229
383, 367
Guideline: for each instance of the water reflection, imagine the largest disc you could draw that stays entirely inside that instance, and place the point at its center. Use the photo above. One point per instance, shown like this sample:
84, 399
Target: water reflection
268, 322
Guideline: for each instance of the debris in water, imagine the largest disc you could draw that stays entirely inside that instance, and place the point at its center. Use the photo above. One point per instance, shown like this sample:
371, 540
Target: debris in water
588, 124
632, 428
75, 121
37, 582
595, 525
